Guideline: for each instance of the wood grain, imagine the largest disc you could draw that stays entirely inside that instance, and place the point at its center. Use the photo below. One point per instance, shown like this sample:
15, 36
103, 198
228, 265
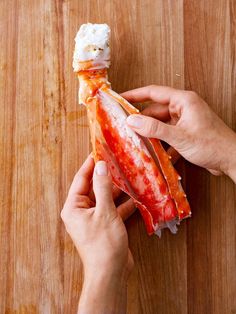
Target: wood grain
210, 70
44, 139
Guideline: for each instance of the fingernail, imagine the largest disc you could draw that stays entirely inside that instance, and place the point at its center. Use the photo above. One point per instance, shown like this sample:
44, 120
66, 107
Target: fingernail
135, 120
101, 168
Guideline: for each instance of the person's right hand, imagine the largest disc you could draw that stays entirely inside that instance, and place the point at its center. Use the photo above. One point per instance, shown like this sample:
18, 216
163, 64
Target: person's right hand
186, 122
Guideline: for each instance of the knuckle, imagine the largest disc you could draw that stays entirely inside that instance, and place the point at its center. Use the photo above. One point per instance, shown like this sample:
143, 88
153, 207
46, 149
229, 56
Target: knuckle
76, 176
152, 89
82, 198
153, 128
80, 201
103, 183
106, 201
152, 86
84, 204
173, 107
191, 96
63, 214
106, 212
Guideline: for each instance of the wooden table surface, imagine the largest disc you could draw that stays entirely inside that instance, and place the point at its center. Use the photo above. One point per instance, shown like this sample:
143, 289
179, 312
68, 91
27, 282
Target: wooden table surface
45, 138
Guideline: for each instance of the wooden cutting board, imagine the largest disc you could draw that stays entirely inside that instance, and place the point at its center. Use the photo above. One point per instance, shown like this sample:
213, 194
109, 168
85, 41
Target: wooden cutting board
45, 138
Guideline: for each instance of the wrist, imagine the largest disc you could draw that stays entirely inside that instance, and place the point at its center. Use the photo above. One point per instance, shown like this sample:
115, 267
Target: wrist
231, 171
108, 281
110, 272
103, 292
229, 164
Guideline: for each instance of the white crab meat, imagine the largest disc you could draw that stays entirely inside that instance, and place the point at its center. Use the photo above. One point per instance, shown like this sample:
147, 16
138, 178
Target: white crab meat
92, 44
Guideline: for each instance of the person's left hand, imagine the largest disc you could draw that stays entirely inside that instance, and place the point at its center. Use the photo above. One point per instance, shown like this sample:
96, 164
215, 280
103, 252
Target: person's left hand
95, 224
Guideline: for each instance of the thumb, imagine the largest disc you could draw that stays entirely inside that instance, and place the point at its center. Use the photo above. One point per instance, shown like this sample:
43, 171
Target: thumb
102, 186
150, 127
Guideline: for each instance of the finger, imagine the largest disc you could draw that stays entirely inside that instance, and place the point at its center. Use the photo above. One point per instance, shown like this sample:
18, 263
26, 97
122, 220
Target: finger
82, 179
153, 128
116, 192
76, 203
80, 201
161, 94
91, 192
126, 209
158, 111
102, 186
175, 156
85, 204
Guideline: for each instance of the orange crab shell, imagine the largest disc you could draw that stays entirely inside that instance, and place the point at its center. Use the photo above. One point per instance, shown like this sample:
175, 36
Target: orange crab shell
153, 183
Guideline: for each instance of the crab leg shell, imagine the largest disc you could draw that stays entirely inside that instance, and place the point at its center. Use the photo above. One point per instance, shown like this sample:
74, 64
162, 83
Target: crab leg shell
123, 102
102, 151
172, 179
169, 172
135, 162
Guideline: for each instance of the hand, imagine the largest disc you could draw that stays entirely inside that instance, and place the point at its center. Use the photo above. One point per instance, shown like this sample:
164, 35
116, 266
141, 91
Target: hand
99, 234
185, 121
